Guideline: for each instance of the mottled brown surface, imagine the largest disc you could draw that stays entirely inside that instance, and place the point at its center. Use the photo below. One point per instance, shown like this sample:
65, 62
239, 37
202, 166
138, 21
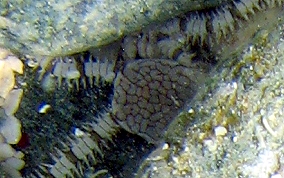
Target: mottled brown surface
148, 94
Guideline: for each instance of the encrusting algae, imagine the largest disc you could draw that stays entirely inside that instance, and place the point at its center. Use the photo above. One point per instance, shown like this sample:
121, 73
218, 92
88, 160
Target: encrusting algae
173, 56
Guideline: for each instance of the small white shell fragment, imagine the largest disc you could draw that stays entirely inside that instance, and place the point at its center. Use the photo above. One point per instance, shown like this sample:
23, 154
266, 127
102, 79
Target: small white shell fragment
210, 144
165, 146
220, 131
186, 149
175, 159
190, 111
78, 132
43, 108
268, 127
234, 139
11, 129
32, 63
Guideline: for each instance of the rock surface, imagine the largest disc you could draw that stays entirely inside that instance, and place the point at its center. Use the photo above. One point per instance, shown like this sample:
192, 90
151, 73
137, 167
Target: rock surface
59, 28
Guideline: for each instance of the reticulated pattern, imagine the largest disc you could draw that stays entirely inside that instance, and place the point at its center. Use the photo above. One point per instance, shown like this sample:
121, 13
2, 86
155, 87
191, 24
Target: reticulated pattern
148, 94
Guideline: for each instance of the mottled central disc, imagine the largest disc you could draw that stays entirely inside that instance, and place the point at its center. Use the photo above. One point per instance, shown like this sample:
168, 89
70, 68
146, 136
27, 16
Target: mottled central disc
149, 93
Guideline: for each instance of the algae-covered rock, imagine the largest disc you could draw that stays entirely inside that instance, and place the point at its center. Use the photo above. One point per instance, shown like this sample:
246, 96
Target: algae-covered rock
234, 126
60, 27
